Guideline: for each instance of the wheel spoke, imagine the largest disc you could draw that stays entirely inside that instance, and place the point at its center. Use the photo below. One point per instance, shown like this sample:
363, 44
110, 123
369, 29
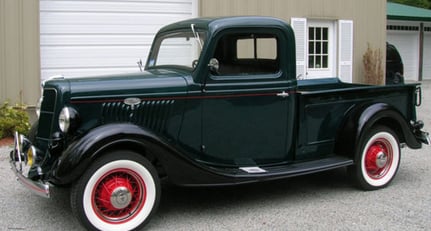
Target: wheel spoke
119, 195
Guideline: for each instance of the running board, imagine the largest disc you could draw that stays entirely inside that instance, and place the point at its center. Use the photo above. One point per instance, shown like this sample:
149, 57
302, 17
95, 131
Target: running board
294, 169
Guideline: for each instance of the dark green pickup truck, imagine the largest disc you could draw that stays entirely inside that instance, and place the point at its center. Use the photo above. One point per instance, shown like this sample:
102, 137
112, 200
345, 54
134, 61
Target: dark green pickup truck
218, 103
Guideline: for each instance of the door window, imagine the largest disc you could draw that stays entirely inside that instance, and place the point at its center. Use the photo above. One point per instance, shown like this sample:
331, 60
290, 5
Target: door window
246, 54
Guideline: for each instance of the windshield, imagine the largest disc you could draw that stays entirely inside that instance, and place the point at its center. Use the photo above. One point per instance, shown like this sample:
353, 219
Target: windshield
181, 48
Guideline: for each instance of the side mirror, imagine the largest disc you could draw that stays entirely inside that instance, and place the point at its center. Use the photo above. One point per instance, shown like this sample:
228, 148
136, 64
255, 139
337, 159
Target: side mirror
214, 66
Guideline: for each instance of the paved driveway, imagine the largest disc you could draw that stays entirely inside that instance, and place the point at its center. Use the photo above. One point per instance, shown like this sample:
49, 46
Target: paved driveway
324, 201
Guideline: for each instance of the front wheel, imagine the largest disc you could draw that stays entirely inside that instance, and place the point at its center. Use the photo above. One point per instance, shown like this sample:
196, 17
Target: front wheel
120, 191
377, 159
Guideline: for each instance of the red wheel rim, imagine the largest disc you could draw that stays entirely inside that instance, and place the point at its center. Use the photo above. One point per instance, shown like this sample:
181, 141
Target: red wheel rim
378, 159
118, 196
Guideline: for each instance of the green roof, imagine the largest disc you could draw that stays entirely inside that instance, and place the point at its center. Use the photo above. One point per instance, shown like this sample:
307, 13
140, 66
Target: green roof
395, 11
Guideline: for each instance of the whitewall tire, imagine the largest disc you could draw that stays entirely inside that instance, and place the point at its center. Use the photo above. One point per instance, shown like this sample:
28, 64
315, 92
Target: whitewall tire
377, 159
120, 191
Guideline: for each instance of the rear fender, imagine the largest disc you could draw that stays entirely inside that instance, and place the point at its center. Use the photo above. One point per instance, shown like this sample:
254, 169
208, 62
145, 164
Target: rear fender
361, 118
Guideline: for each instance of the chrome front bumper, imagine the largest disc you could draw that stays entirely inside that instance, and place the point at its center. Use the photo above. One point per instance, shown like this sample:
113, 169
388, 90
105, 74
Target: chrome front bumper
22, 158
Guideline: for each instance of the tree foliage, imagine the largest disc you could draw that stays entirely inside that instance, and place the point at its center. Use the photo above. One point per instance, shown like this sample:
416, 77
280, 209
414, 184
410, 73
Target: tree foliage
417, 3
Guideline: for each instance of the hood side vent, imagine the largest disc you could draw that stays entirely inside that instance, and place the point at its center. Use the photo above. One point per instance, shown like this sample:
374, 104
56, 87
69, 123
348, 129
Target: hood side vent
152, 114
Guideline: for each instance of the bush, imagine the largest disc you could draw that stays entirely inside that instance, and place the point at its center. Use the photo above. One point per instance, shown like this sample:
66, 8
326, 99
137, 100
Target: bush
13, 119
373, 66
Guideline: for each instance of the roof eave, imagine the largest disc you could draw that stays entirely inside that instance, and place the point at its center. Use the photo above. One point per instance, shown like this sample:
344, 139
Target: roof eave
408, 18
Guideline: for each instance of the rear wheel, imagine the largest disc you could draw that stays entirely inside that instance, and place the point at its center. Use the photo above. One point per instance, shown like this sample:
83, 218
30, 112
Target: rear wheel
377, 159
120, 191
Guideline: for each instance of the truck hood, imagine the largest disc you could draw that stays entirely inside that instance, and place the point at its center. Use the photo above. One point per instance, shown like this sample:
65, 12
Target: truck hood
154, 83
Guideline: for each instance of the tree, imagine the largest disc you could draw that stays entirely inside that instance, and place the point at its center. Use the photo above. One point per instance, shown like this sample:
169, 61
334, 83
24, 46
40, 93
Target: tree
417, 3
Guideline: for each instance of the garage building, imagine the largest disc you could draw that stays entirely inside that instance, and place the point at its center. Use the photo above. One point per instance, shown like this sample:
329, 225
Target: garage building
409, 29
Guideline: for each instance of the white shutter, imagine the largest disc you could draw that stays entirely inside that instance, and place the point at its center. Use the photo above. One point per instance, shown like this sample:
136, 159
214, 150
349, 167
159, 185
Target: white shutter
345, 49
299, 26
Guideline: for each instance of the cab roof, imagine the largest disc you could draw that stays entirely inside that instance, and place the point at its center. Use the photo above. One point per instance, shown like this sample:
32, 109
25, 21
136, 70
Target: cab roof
215, 24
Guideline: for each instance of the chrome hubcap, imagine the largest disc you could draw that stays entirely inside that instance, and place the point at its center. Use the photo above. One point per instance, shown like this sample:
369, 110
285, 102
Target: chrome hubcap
381, 159
121, 198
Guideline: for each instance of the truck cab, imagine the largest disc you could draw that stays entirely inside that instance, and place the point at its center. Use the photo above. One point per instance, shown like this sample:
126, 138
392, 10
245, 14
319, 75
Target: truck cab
242, 65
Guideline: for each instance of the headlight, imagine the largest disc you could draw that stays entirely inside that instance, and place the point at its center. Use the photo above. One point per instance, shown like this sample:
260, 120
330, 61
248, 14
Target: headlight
38, 106
68, 119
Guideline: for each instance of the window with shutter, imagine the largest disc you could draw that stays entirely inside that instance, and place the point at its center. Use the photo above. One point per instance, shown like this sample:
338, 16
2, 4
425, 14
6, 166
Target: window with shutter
317, 53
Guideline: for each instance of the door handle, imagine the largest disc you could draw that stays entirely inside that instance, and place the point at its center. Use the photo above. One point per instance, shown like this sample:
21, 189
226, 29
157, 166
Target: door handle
283, 94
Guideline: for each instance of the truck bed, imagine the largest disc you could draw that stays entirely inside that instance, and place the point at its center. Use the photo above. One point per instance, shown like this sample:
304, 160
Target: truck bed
328, 85
323, 103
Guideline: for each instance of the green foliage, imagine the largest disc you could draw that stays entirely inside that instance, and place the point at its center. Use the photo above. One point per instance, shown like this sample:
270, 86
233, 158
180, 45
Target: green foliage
417, 3
13, 119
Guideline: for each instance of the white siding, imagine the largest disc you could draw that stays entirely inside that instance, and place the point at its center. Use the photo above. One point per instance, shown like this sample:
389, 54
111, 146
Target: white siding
93, 37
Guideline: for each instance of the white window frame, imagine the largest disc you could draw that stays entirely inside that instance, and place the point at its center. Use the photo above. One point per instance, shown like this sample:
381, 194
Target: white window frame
331, 69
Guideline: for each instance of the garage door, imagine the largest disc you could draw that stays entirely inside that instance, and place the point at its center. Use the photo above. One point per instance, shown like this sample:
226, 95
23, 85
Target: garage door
94, 37
406, 40
427, 52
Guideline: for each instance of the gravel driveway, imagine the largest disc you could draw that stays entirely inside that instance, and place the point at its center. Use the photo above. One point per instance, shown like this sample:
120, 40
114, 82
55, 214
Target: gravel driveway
323, 201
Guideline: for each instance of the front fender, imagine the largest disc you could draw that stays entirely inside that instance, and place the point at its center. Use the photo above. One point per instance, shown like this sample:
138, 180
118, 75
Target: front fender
179, 168
361, 118
80, 154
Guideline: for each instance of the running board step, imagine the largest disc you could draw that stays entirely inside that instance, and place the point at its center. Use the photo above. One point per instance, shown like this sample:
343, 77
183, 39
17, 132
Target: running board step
293, 169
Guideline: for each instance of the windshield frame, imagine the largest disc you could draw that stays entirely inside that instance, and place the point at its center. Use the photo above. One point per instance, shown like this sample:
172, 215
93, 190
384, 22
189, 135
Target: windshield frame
190, 33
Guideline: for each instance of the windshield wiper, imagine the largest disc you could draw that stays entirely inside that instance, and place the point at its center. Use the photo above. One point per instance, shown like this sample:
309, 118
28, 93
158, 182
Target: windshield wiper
196, 35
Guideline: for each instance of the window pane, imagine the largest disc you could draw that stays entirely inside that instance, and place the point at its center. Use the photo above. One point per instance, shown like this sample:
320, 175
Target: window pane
311, 33
318, 33
325, 48
245, 49
325, 34
311, 61
318, 48
311, 48
318, 61
266, 48
325, 61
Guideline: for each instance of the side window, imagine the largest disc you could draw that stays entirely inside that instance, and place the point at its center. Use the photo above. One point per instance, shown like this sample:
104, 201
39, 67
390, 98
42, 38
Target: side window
247, 54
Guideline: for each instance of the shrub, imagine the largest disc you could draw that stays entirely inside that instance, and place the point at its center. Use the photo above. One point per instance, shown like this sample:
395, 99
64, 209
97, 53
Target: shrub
372, 60
13, 119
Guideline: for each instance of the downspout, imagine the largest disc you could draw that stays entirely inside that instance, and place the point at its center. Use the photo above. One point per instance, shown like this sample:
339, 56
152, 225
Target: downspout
421, 50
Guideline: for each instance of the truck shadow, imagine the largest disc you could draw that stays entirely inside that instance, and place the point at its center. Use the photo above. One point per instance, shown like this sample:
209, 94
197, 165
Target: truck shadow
206, 201
188, 203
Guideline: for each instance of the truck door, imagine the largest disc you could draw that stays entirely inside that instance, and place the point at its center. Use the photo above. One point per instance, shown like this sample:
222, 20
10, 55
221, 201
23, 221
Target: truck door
247, 104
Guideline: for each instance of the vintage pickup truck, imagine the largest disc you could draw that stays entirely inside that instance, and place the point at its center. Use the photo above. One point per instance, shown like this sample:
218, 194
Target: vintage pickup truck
218, 103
